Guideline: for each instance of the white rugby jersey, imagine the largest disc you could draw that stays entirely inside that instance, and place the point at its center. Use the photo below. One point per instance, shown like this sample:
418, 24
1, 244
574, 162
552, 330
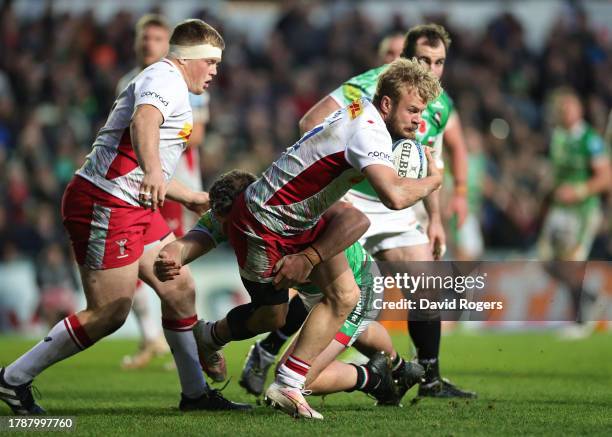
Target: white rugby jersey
295, 191
112, 164
188, 168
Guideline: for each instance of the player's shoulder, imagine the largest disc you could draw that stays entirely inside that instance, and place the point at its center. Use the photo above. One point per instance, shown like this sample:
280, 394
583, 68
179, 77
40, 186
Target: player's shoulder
364, 114
125, 80
363, 84
443, 102
162, 76
594, 142
439, 110
366, 121
370, 75
162, 70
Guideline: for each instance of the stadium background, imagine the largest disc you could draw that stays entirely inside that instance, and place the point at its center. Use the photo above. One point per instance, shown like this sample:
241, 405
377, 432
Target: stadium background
60, 62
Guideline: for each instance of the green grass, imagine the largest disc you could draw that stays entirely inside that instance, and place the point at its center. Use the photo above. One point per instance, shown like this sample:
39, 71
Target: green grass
527, 384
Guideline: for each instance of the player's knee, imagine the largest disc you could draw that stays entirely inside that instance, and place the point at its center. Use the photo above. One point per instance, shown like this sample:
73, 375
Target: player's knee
344, 301
278, 320
178, 291
114, 314
273, 317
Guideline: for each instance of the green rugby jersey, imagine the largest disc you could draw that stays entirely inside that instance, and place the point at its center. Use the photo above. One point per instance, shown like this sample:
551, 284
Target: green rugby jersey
435, 117
571, 154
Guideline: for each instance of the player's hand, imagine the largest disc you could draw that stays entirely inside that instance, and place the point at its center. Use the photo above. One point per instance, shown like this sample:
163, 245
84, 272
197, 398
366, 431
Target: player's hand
459, 206
152, 190
291, 270
432, 170
199, 203
437, 238
168, 263
568, 194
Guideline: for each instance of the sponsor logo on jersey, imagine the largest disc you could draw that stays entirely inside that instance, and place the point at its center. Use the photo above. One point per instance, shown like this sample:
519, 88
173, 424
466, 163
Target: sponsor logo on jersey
423, 126
185, 133
377, 154
437, 104
355, 109
154, 94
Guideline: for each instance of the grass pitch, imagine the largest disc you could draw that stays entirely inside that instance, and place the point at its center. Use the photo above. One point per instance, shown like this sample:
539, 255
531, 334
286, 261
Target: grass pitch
527, 384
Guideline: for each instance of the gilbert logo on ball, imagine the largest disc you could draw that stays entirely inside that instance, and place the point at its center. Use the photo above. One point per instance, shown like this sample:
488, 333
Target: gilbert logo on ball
409, 159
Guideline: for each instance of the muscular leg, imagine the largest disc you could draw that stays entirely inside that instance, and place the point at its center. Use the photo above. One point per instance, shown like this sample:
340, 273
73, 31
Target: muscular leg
109, 299
178, 318
336, 281
375, 338
152, 340
296, 315
259, 319
327, 375
424, 331
149, 327
263, 353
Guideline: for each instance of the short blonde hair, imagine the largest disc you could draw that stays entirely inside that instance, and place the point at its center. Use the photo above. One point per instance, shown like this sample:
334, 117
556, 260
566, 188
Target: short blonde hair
194, 32
556, 99
402, 74
155, 20
383, 46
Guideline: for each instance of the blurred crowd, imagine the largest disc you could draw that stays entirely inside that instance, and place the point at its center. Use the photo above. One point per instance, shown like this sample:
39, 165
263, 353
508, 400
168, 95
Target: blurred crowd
58, 74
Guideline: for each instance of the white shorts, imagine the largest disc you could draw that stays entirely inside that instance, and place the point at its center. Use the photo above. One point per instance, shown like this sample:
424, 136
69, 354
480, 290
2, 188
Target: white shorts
568, 234
388, 229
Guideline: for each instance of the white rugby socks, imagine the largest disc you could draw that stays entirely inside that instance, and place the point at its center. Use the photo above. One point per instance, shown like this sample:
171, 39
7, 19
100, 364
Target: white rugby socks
179, 335
65, 339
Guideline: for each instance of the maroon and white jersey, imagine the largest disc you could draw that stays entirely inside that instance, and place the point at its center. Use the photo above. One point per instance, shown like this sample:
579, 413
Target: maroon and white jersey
112, 164
295, 191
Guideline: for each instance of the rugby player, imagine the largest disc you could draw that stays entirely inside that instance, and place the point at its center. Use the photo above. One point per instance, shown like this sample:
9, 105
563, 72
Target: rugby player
581, 167
395, 235
326, 376
150, 45
111, 212
282, 213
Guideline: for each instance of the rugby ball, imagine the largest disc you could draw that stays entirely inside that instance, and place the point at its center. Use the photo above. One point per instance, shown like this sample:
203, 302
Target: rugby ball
409, 159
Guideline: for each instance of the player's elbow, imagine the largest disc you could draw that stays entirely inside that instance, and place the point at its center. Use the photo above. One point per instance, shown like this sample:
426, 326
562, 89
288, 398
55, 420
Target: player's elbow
392, 200
363, 223
355, 222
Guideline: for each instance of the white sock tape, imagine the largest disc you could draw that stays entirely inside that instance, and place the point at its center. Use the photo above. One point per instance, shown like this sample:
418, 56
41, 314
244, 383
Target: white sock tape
200, 51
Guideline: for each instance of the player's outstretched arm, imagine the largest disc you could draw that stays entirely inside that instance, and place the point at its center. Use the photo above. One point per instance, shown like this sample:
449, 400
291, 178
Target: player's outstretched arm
400, 193
144, 131
455, 143
435, 229
180, 252
197, 201
317, 113
345, 225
